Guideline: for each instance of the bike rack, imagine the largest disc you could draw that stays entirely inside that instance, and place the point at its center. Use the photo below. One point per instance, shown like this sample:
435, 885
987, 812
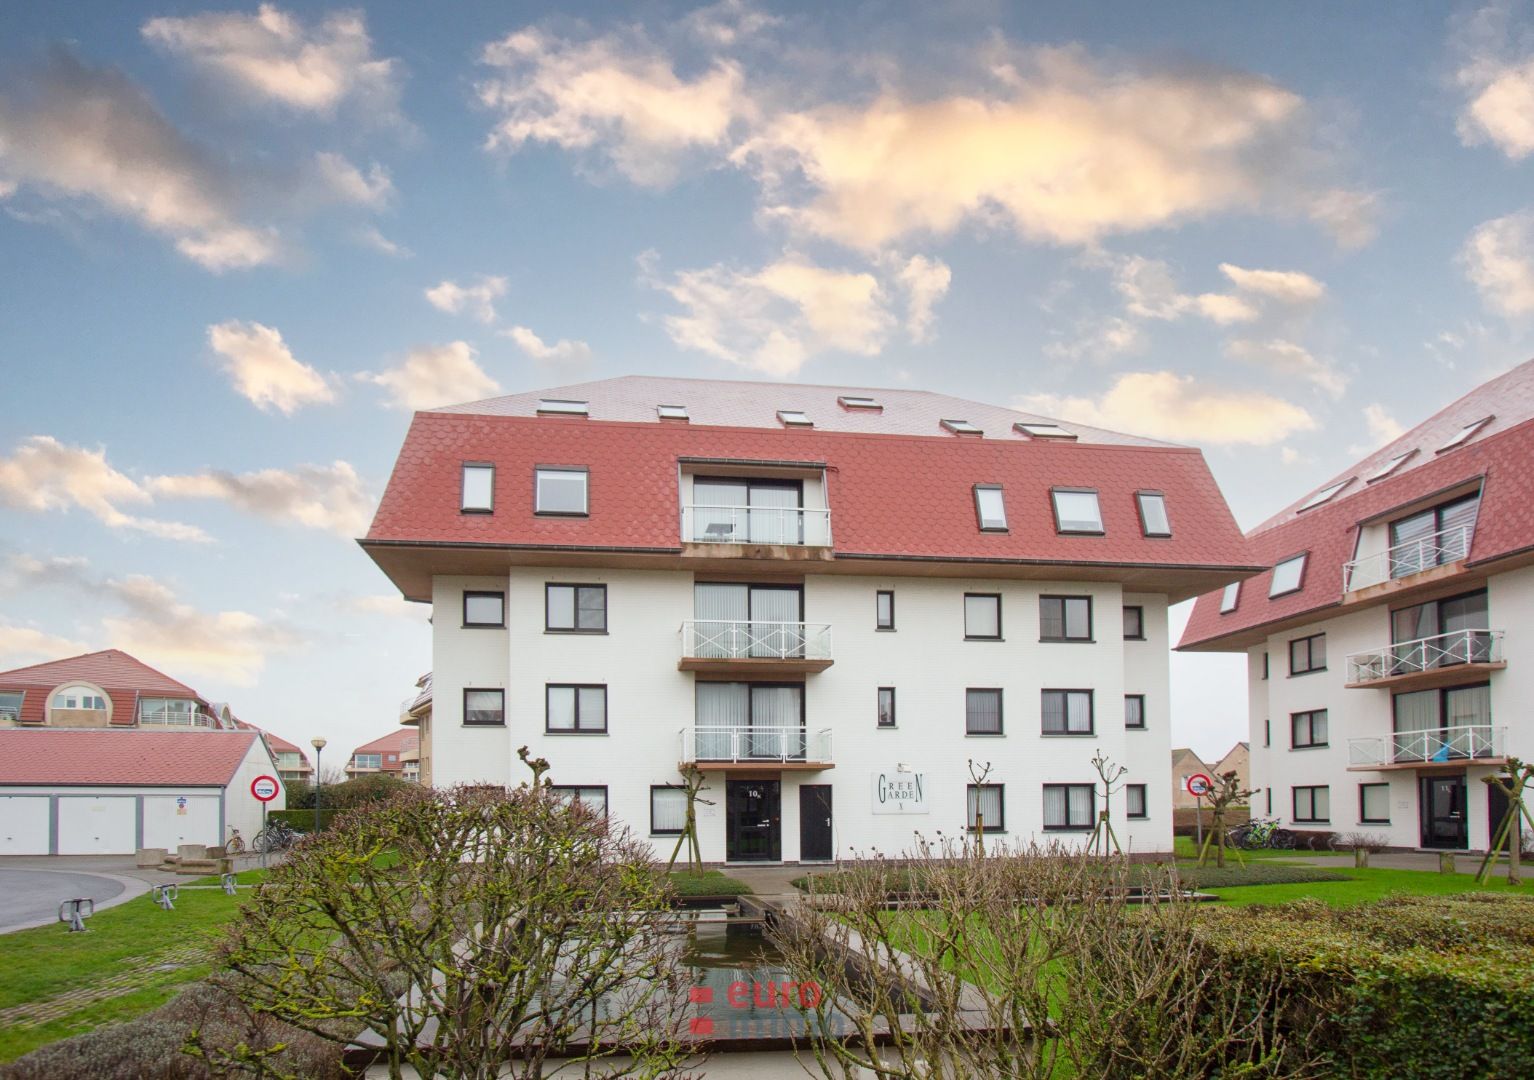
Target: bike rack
165, 895
75, 912
227, 881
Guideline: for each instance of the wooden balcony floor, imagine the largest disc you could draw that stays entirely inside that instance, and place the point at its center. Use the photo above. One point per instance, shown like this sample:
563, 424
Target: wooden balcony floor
1447, 675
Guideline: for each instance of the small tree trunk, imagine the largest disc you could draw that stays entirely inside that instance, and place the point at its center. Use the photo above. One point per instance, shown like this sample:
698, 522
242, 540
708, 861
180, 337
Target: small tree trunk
1446, 862
1361, 858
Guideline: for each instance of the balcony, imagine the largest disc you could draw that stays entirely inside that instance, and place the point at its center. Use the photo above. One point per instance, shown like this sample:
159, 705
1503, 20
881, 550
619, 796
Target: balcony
755, 647
175, 718
1478, 743
1443, 660
763, 526
735, 748
1405, 560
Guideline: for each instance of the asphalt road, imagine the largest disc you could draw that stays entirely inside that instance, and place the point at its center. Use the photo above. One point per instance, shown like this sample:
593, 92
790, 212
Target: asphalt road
32, 897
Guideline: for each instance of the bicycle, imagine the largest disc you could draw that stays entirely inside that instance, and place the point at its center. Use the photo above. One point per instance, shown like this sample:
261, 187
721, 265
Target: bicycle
236, 843
277, 836
1261, 833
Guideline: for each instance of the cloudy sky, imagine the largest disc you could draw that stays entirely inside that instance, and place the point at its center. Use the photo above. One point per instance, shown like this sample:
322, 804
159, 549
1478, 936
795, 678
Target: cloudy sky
241, 244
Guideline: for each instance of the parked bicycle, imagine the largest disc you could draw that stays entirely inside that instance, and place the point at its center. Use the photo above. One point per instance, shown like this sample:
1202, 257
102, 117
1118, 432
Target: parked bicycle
1261, 833
277, 836
236, 843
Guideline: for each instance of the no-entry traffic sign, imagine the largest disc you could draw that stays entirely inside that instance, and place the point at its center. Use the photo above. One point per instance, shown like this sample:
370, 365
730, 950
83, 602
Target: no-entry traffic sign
265, 788
1199, 785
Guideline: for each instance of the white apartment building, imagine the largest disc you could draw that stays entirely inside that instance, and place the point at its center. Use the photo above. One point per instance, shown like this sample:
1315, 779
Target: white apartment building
830, 601
1390, 646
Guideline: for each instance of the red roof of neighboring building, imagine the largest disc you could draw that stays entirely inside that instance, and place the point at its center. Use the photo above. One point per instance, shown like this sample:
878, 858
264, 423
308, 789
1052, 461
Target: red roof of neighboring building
123, 677
133, 758
396, 742
1499, 455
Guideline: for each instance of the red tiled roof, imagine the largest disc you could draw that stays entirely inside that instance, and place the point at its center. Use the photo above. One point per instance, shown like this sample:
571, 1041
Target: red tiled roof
134, 758
391, 743
1503, 460
123, 677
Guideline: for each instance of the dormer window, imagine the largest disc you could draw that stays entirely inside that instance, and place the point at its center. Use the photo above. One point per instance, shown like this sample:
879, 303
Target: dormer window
1230, 597
1389, 467
478, 489
1464, 434
1153, 518
1042, 430
794, 418
1324, 495
561, 491
561, 407
961, 427
79, 697
1077, 511
849, 401
672, 412
1288, 576
990, 508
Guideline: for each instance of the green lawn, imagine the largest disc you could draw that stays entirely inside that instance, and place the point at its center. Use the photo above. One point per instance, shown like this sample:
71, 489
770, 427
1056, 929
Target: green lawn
1185, 848
1361, 886
136, 937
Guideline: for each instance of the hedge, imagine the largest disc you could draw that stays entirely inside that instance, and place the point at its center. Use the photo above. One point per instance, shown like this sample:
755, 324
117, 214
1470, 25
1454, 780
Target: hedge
302, 820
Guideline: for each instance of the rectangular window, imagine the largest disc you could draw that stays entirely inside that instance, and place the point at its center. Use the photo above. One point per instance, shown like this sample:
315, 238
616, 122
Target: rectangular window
668, 810
1313, 805
579, 609
1134, 801
478, 495
166, 711
580, 710
563, 406
1153, 519
990, 508
1374, 804
10, 705
1459, 437
961, 427
1077, 511
1067, 712
592, 798
561, 492
1134, 622
858, 401
987, 807
1065, 618
1230, 597
1269, 796
484, 707
886, 706
1308, 729
1043, 431
484, 608
1307, 654
884, 610
672, 412
1288, 576
982, 712
794, 418
982, 616
367, 761
1134, 711
1069, 806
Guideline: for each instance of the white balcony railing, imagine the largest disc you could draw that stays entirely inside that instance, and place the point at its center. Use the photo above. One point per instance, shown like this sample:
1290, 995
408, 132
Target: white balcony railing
1426, 654
789, 525
10, 713
1432, 745
1409, 558
176, 718
755, 744
716, 639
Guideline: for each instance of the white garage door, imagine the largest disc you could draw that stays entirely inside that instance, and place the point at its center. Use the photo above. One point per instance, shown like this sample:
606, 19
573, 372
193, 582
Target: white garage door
173, 820
97, 824
23, 825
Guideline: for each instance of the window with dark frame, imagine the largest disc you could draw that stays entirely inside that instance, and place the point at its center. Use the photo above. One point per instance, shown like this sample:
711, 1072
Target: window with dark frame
990, 508
561, 492
1312, 804
1264, 665
884, 609
1065, 618
987, 807
575, 709
1374, 804
484, 609
1067, 712
484, 707
1077, 511
982, 711
1230, 597
1069, 806
1134, 622
1307, 654
591, 796
1269, 810
1134, 712
477, 495
1153, 518
668, 810
575, 609
1308, 728
1288, 576
886, 706
982, 616
1134, 801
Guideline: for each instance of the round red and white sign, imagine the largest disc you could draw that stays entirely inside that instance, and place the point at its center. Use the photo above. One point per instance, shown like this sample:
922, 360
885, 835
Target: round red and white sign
1199, 784
265, 788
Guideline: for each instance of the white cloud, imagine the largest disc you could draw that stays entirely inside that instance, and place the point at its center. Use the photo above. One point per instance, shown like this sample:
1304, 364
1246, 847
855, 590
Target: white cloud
925, 282
272, 56
25, 644
1150, 291
345, 181
1383, 428
1180, 408
329, 497
264, 370
1288, 455
83, 133
434, 375
620, 96
477, 300
1111, 337
369, 236
1289, 358
45, 474
563, 351
1498, 258
390, 605
729, 22
1496, 74
1285, 286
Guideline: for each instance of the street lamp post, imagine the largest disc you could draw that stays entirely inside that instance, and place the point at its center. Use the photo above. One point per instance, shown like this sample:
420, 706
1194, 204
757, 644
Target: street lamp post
319, 782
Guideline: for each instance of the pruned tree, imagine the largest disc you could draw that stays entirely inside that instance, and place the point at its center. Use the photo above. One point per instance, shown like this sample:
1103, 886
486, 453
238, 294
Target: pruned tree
1226, 792
1112, 777
1508, 837
692, 784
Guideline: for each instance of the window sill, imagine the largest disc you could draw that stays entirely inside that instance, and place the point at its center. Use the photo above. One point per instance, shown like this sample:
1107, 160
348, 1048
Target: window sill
483, 723
988, 832
1135, 727
482, 626
1080, 532
1142, 637
1068, 828
574, 633
1067, 641
562, 513
476, 509
971, 637
884, 629
1367, 821
985, 734
1067, 734
546, 731
668, 834
1300, 821
886, 727
1302, 674
1312, 746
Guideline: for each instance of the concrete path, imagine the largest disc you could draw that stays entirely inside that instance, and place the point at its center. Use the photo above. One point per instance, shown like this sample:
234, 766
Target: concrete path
31, 897
1465, 862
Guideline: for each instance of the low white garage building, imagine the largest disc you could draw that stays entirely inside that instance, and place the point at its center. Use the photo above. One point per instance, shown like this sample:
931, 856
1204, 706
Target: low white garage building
103, 792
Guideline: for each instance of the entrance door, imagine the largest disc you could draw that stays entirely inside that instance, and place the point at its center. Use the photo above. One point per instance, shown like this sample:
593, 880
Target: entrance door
753, 821
815, 823
1442, 807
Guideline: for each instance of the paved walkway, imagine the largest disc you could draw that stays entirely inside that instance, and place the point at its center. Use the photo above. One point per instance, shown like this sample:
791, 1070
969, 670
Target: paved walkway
31, 897
1464, 862
772, 880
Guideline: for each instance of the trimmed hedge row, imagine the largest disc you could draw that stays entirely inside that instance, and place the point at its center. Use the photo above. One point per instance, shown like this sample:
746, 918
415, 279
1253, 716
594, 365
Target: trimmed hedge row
302, 820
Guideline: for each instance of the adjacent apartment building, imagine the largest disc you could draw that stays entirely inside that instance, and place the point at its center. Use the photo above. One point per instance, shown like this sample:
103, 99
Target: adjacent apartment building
841, 605
386, 755
1385, 643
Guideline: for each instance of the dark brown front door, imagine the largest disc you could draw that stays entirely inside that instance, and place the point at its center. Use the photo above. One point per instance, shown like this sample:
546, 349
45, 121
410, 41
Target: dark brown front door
753, 821
1442, 807
815, 823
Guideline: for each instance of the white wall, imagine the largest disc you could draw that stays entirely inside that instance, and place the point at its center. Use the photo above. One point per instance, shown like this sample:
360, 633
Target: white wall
241, 808
468, 657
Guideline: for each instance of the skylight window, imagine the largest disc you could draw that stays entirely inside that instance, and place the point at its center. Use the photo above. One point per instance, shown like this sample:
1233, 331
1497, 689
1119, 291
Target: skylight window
1464, 435
794, 418
962, 427
560, 491
1324, 495
672, 412
990, 508
1288, 576
561, 407
1389, 467
1043, 431
850, 401
1077, 511
478, 490
1229, 597
1153, 519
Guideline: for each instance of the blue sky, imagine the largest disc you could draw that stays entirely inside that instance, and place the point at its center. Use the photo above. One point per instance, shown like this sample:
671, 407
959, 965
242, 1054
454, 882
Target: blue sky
241, 243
